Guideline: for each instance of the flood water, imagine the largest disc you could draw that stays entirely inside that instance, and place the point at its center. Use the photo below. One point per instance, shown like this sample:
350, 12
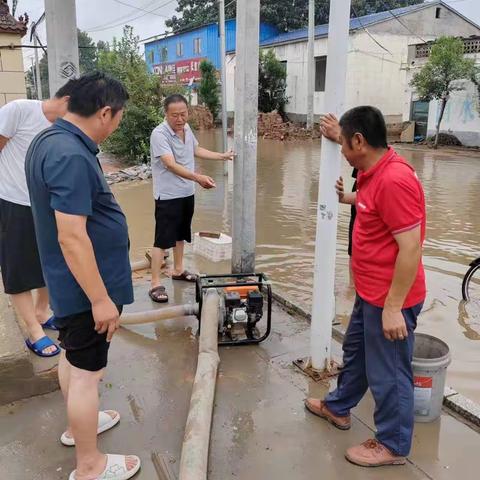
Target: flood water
287, 187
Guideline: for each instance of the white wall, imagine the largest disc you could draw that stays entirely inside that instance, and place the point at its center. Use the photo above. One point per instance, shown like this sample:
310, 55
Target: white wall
461, 117
374, 76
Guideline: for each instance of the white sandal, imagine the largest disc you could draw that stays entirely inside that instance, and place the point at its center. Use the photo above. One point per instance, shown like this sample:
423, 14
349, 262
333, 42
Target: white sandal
105, 422
116, 468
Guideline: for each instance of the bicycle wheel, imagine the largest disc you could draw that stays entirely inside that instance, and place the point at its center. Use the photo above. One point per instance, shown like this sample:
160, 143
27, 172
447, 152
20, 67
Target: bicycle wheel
471, 283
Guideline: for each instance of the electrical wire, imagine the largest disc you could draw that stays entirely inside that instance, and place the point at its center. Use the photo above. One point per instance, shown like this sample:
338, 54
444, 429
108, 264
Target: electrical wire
124, 21
139, 8
369, 34
402, 23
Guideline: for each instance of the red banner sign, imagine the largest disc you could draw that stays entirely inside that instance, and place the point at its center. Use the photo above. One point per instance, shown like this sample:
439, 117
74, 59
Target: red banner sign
183, 71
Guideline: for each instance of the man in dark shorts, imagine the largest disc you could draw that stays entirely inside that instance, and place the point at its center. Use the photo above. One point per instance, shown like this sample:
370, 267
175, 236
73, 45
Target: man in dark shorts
83, 242
173, 148
390, 285
20, 121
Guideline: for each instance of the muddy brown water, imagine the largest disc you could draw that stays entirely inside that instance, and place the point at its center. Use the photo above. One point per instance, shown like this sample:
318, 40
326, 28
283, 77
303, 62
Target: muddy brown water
287, 187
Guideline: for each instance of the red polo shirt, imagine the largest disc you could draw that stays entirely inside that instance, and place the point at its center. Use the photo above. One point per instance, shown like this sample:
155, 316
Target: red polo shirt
390, 200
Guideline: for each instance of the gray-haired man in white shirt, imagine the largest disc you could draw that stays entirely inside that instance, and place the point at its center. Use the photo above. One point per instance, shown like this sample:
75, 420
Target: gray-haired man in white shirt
173, 148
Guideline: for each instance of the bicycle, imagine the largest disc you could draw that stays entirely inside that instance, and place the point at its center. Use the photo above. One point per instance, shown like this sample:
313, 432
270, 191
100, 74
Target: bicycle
471, 282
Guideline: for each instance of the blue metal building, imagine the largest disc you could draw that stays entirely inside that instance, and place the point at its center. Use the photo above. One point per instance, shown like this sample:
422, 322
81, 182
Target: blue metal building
177, 57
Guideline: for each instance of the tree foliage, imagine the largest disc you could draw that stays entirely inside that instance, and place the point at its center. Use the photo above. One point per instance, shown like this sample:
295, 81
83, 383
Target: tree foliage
123, 61
444, 73
285, 14
272, 83
208, 89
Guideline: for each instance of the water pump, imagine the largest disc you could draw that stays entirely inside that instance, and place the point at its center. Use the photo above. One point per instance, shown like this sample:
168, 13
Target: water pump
243, 302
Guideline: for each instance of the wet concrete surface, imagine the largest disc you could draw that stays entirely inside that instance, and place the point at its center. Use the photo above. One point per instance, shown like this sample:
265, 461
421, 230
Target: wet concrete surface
287, 187
260, 428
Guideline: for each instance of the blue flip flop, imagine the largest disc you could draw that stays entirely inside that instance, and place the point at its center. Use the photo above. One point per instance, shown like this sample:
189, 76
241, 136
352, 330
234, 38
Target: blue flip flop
41, 345
50, 324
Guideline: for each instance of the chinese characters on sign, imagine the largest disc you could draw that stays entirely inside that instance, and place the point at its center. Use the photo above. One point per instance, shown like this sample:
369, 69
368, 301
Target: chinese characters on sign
183, 71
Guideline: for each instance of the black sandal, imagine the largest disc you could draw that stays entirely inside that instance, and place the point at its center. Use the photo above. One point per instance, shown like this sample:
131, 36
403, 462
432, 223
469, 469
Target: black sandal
186, 276
158, 294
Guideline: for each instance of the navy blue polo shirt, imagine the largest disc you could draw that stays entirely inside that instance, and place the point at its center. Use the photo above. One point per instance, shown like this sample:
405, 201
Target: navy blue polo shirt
64, 175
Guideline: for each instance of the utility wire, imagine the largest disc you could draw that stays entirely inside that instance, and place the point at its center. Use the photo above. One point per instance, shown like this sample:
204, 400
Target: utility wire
403, 23
123, 20
369, 34
139, 8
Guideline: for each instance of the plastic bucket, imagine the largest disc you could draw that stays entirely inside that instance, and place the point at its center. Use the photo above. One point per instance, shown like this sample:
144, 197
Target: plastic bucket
431, 358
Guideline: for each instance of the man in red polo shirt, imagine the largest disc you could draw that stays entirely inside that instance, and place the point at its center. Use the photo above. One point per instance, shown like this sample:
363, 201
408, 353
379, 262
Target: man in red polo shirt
390, 283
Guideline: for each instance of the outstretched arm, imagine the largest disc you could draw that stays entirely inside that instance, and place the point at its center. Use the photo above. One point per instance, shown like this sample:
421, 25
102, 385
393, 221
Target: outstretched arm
205, 154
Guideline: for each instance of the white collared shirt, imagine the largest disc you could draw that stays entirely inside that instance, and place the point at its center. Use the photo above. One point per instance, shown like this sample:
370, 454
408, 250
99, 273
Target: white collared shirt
164, 141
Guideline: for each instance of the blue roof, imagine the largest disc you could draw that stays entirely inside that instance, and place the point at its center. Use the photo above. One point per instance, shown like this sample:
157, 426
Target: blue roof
355, 24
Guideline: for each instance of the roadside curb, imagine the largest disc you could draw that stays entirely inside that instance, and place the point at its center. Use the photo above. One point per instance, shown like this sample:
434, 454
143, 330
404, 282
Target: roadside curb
452, 400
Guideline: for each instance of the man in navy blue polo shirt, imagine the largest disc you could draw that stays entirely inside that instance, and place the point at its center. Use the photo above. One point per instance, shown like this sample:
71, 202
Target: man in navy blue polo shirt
82, 237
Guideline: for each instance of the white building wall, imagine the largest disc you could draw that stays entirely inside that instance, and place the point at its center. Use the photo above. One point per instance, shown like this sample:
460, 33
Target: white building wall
374, 76
461, 117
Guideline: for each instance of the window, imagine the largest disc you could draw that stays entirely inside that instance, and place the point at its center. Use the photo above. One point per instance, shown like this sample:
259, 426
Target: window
180, 49
284, 65
197, 46
164, 54
151, 56
471, 45
320, 73
437, 12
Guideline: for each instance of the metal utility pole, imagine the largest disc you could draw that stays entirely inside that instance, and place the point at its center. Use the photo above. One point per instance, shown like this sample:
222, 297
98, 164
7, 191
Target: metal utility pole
223, 76
311, 63
62, 42
246, 118
34, 37
37, 69
323, 303
34, 77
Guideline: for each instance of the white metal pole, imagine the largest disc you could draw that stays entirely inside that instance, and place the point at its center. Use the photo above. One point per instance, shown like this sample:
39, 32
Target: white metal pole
37, 69
62, 42
246, 126
327, 212
311, 63
223, 86
34, 77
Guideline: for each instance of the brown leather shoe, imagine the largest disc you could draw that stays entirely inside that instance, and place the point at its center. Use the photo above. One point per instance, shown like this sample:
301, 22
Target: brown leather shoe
373, 454
318, 408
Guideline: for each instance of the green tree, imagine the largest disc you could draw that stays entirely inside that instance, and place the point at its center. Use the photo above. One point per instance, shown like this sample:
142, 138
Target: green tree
87, 52
208, 90
272, 83
444, 73
285, 14
123, 61
43, 62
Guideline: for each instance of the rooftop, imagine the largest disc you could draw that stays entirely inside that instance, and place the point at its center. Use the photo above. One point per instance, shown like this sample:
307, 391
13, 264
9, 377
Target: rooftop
357, 23
8, 23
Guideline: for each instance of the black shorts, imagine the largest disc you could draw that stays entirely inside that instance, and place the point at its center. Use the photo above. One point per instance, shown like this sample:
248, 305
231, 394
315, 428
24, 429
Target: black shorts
173, 221
84, 347
19, 258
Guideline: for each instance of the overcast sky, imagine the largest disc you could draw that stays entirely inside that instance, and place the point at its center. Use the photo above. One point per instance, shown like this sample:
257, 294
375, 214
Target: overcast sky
104, 19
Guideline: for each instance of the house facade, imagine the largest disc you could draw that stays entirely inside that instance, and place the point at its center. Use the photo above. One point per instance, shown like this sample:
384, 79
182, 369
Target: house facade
378, 58
12, 77
177, 57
